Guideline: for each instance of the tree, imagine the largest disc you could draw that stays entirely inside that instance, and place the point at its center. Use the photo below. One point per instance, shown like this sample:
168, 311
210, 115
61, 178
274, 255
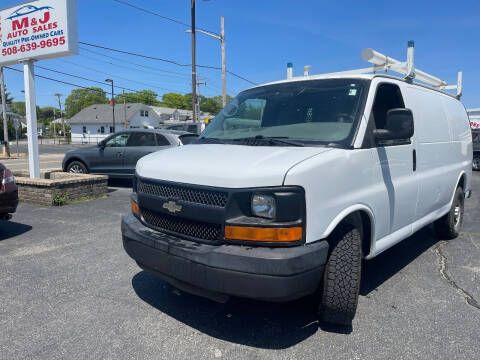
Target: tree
18, 107
174, 101
147, 97
81, 98
211, 105
11, 130
188, 100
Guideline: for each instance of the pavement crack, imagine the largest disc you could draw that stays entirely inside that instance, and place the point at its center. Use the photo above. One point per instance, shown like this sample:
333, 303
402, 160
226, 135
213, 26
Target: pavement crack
470, 300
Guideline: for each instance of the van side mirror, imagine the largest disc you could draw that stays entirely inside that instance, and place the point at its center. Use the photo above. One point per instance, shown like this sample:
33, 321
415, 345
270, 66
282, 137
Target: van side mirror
399, 125
101, 144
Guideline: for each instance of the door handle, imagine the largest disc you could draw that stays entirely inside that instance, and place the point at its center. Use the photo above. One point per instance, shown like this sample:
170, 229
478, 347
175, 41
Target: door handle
414, 158
119, 154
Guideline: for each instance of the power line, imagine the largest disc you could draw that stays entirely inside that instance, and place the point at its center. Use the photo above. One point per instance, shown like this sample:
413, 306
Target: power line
84, 78
64, 82
133, 54
133, 63
149, 71
159, 15
116, 76
164, 60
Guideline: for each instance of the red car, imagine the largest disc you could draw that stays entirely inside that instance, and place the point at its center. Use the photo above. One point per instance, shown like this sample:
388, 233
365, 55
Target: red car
8, 194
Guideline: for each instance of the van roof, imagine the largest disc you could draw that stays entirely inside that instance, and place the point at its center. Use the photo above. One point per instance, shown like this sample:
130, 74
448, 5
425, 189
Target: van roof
350, 76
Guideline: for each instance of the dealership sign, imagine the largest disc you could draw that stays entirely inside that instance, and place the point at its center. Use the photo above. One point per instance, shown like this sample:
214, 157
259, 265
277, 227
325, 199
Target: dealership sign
38, 30
475, 123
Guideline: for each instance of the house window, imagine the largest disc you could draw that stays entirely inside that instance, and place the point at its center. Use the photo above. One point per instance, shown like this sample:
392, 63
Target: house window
102, 129
144, 113
84, 129
111, 130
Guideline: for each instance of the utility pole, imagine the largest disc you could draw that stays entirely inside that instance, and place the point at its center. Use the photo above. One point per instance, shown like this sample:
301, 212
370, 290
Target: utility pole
113, 105
4, 111
125, 110
63, 121
199, 82
194, 66
224, 66
220, 37
54, 124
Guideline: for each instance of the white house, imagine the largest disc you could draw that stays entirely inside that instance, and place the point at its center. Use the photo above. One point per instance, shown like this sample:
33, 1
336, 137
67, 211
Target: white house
95, 122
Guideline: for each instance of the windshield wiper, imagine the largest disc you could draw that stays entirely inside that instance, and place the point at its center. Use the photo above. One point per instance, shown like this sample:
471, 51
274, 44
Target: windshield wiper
209, 140
269, 139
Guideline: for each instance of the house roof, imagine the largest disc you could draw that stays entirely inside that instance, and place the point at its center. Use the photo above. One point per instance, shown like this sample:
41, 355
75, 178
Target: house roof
169, 111
102, 113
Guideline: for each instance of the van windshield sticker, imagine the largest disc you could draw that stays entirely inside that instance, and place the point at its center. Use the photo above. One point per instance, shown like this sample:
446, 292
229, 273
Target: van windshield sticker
352, 92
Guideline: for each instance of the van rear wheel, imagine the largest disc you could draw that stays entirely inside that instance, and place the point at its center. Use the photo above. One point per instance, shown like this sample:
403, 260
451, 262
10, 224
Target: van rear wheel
341, 279
448, 226
476, 162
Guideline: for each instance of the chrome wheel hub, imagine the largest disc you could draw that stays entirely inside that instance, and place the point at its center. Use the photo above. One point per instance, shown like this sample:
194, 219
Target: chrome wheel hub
76, 169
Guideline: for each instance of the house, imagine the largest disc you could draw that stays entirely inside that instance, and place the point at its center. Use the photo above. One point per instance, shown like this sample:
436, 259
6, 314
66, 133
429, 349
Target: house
169, 114
95, 122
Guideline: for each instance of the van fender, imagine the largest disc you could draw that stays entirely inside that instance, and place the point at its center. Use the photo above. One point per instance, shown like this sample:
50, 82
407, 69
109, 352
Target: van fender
456, 185
348, 211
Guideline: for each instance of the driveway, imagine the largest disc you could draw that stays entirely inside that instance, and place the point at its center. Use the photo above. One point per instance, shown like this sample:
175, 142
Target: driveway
68, 290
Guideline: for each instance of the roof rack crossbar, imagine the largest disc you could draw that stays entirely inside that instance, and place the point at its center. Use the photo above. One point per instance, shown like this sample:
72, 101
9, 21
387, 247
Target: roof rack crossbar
407, 69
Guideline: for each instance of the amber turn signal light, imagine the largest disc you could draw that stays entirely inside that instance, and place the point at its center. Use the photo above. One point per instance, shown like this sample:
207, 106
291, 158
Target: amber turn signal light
263, 234
135, 208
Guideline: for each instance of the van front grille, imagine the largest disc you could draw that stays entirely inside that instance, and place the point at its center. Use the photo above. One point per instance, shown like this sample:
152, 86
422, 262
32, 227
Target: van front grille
178, 192
191, 228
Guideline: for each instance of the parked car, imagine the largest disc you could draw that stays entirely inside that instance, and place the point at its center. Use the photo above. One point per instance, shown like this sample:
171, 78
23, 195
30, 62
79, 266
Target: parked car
8, 194
118, 154
476, 150
295, 182
191, 127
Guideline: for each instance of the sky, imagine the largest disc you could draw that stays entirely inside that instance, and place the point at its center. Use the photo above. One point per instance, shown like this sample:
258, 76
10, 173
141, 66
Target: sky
261, 37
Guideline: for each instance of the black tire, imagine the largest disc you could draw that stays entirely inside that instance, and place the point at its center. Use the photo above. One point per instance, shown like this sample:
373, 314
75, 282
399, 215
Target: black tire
77, 167
476, 162
448, 226
341, 279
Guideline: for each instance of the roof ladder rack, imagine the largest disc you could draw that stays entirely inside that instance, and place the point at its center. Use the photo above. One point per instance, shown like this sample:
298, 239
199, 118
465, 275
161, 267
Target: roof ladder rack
407, 69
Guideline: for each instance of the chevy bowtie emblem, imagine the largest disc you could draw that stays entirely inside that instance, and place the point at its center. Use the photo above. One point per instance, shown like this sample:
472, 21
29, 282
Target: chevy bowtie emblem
172, 206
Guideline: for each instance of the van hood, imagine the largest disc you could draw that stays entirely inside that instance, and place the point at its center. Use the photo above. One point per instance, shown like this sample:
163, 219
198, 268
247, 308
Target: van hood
223, 165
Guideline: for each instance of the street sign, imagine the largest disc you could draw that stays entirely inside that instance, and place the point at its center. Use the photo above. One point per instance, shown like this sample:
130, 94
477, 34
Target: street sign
37, 30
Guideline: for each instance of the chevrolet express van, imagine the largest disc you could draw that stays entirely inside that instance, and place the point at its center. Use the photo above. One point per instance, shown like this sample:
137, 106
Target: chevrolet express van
296, 182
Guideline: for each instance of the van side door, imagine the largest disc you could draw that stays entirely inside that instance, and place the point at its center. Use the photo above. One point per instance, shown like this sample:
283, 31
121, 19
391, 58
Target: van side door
439, 154
394, 179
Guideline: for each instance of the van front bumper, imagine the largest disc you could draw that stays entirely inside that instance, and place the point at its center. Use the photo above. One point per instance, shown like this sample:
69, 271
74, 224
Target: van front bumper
273, 274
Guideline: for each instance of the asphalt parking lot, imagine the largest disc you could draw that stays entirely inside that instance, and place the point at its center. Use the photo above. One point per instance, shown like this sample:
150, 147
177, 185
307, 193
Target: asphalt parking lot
68, 290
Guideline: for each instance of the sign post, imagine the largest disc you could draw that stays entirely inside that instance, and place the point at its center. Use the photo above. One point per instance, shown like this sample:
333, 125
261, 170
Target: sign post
31, 111
32, 31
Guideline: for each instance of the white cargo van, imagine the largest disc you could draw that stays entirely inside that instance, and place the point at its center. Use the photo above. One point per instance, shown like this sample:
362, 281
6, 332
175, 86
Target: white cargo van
295, 182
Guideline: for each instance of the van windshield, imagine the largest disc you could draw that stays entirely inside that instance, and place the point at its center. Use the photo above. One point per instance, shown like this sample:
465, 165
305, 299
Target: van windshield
301, 113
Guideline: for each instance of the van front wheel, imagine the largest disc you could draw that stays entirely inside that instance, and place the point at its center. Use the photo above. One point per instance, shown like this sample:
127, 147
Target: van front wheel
448, 226
341, 280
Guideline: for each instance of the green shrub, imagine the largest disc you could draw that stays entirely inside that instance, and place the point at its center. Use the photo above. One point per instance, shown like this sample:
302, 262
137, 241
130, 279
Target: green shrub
60, 199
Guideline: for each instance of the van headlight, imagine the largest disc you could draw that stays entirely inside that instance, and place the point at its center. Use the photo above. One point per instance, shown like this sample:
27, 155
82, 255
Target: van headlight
264, 206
